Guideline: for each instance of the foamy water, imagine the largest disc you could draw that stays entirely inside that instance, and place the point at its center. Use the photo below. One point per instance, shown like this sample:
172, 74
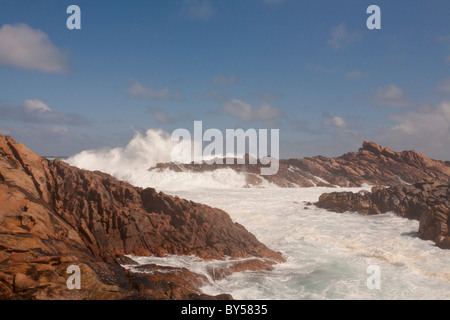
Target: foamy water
144, 151
327, 253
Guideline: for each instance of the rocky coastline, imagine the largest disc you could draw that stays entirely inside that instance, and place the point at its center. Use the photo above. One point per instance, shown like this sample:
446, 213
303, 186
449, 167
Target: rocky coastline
426, 201
53, 216
372, 164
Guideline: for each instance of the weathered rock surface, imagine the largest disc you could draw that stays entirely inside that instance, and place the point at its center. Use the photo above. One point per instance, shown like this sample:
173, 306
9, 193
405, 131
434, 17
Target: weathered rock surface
372, 165
53, 216
427, 201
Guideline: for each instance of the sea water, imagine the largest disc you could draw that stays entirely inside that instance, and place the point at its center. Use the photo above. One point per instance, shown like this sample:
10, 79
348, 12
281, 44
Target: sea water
327, 253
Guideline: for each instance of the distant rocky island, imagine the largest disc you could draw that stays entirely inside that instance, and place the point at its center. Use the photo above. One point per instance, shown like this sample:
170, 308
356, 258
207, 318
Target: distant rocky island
371, 165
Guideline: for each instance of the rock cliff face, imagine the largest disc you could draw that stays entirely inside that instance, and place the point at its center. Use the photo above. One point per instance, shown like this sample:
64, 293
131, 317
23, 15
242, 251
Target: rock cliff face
428, 202
372, 164
53, 216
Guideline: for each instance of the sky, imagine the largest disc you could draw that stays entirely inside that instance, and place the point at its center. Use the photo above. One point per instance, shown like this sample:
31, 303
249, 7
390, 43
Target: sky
311, 69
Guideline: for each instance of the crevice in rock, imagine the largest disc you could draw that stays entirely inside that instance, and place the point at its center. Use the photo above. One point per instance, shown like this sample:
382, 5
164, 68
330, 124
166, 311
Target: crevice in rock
25, 168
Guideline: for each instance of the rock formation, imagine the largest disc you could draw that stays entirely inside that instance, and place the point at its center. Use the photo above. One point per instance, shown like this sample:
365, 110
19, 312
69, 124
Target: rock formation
53, 215
427, 201
372, 165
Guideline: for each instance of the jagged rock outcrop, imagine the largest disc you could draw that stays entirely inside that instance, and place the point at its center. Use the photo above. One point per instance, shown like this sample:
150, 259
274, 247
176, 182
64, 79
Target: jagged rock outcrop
427, 201
53, 215
372, 165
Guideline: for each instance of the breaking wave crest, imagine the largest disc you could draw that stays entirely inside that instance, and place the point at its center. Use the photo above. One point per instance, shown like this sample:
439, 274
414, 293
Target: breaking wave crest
131, 164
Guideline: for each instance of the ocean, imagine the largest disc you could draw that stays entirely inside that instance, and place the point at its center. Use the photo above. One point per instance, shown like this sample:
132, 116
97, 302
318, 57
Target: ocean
328, 254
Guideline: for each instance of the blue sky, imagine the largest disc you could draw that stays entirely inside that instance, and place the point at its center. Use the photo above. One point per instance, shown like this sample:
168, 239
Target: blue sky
309, 68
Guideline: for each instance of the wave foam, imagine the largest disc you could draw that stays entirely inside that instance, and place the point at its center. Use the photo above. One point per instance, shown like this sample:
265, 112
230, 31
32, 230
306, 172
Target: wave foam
131, 164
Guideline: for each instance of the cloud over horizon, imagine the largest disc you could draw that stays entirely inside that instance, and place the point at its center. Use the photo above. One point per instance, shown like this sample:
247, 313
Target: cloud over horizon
31, 49
335, 122
428, 121
38, 112
426, 129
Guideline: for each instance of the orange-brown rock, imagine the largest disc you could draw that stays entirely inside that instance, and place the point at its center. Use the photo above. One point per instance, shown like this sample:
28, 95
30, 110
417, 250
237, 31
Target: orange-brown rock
427, 201
372, 165
259, 265
53, 215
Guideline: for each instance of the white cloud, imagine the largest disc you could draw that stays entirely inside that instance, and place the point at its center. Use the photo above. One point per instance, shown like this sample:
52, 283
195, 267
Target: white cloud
56, 140
27, 48
247, 112
239, 109
198, 9
267, 112
339, 122
426, 129
36, 105
390, 96
336, 122
37, 111
141, 92
340, 38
